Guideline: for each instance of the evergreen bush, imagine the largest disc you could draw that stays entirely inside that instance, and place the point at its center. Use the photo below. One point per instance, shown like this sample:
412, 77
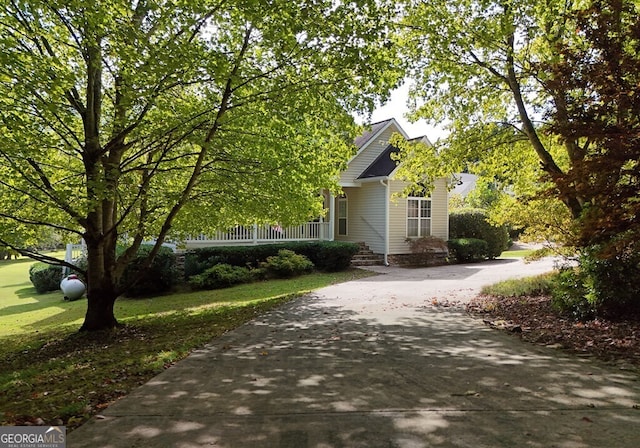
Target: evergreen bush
465, 250
158, 279
221, 276
473, 223
287, 264
45, 277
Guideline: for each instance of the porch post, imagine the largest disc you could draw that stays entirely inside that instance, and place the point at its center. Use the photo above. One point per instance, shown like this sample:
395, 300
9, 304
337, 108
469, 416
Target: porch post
332, 214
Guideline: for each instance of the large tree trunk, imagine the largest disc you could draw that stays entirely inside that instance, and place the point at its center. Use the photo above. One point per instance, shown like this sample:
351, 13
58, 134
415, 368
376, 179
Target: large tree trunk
102, 283
99, 310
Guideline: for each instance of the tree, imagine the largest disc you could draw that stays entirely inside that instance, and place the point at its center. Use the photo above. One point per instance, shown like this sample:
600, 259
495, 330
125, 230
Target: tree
554, 79
596, 83
128, 120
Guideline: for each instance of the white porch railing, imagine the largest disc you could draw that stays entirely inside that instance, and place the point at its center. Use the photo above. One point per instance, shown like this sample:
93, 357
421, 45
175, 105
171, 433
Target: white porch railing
262, 234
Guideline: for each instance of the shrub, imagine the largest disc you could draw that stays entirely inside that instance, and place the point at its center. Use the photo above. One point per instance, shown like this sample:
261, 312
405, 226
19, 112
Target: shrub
287, 264
473, 223
465, 250
45, 277
221, 276
325, 255
569, 294
331, 256
159, 278
599, 286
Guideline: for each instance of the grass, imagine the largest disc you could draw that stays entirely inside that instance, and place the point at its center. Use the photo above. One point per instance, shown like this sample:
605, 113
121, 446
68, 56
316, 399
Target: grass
50, 371
521, 253
529, 286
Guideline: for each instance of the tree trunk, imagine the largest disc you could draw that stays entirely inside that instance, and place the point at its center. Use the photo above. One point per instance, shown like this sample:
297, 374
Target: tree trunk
102, 285
99, 310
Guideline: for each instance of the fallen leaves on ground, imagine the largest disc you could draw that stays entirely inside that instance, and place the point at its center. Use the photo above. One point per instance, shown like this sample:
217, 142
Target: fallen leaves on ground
535, 320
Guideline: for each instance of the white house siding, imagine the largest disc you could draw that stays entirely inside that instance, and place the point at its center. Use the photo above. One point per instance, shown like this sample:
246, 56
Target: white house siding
362, 161
365, 215
398, 215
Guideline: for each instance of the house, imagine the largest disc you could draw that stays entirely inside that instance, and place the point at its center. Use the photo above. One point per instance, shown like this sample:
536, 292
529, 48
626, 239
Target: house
370, 210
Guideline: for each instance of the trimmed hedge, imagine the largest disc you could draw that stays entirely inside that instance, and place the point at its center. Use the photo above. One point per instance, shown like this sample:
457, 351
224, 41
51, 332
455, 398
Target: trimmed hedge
329, 256
45, 277
473, 223
159, 278
466, 250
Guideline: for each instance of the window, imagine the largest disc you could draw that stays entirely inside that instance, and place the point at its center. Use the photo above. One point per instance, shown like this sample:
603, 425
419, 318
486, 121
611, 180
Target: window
342, 215
418, 217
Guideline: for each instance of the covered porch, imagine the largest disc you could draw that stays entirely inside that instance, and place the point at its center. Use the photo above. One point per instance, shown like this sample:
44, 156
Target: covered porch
263, 234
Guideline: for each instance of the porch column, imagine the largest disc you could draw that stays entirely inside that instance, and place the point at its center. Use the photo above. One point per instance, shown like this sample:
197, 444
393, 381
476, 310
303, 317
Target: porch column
332, 216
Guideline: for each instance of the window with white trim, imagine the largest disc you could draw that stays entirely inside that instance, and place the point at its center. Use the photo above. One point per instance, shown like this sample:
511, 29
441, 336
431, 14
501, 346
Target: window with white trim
342, 215
418, 217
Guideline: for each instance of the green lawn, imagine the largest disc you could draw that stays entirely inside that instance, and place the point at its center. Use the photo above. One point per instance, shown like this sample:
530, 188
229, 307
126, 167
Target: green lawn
522, 253
48, 370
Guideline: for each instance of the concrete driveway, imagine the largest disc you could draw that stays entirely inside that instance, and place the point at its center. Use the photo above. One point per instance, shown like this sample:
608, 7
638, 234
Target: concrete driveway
373, 363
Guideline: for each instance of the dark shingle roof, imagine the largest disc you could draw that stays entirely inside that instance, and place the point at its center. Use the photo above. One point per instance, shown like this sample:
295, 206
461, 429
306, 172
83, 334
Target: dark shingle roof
368, 135
383, 165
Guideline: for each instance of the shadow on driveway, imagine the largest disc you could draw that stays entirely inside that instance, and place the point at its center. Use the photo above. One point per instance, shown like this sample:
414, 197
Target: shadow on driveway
314, 374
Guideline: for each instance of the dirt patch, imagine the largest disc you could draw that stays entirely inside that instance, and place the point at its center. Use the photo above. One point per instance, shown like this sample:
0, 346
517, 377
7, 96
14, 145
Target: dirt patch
534, 320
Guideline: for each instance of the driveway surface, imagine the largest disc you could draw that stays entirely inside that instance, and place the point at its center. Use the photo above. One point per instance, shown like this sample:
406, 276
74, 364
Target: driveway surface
379, 362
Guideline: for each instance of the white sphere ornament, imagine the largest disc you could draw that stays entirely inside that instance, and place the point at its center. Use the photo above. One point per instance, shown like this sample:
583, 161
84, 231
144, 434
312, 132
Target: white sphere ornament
72, 287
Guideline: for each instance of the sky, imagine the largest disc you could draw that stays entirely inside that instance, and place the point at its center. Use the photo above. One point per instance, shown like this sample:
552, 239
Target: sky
397, 108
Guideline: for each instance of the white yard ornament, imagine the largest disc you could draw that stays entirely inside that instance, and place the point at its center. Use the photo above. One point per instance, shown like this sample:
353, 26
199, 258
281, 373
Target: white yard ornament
72, 287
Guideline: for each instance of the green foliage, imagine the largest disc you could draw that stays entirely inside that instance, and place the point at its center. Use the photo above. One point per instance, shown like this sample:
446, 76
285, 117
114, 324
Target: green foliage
138, 119
572, 179
473, 223
529, 286
465, 250
569, 294
157, 279
330, 256
599, 286
221, 276
287, 264
45, 277
611, 283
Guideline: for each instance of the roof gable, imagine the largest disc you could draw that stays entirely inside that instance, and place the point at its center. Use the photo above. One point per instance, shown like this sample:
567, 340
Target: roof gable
367, 136
383, 165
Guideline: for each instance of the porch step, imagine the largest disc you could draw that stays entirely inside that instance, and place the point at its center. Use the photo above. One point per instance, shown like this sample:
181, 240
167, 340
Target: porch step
366, 257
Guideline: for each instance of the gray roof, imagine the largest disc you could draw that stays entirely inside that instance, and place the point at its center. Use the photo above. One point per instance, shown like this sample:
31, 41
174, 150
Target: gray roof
464, 183
383, 165
364, 138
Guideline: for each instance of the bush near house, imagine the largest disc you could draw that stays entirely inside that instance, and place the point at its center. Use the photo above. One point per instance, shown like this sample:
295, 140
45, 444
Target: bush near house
330, 256
159, 278
287, 264
599, 287
45, 277
465, 250
221, 276
473, 223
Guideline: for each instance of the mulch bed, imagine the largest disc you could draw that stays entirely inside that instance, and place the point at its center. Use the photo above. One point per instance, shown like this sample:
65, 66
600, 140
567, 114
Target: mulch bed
534, 320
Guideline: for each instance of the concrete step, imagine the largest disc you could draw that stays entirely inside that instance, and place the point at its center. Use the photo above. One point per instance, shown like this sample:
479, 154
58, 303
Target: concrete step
366, 257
